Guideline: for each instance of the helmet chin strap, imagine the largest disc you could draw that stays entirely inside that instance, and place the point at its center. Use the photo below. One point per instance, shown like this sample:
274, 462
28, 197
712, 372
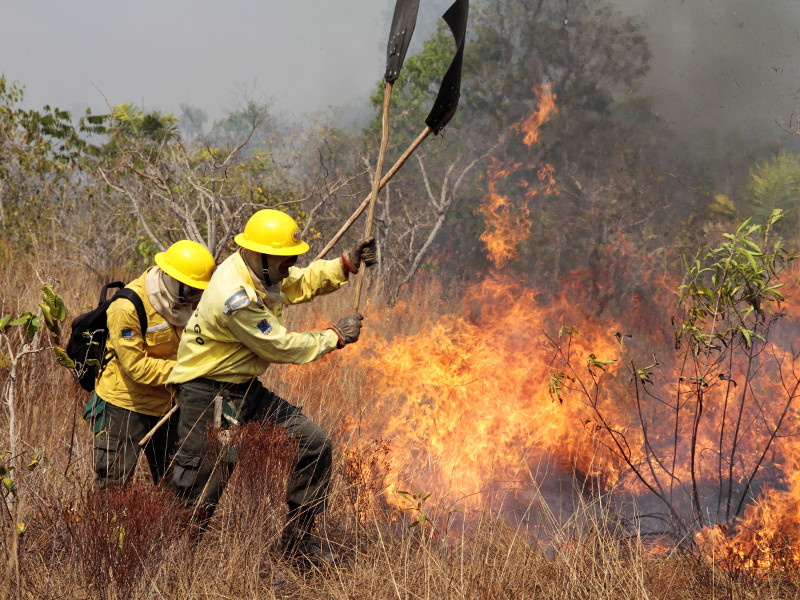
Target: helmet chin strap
265, 269
181, 292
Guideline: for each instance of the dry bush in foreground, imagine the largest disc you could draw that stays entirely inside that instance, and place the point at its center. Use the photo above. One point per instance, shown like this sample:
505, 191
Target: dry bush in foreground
112, 543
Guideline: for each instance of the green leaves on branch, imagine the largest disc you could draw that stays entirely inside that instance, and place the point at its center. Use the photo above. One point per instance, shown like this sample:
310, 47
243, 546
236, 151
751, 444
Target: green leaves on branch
775, 183
63, 359
416, 504
8, 486
30, 324
54, 303
54, 312
729, 291
556, 384
595, 363
645, 373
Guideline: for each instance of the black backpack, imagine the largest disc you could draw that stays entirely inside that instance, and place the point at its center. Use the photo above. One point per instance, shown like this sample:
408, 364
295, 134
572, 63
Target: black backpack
87, 341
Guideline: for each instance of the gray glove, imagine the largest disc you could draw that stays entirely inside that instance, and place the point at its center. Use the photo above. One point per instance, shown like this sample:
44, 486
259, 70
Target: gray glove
364, 250
348, 329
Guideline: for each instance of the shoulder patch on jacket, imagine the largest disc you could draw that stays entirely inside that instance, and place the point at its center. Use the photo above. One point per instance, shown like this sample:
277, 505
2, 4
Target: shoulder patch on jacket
236, 302
264, 326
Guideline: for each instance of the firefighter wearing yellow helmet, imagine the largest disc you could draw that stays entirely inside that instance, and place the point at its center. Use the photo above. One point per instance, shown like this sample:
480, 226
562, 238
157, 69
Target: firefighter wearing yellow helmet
233, 336
130, 394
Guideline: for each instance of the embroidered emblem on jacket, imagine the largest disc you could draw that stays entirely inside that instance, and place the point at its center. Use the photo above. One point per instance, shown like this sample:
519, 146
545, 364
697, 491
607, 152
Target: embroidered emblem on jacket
264, 326
126, 334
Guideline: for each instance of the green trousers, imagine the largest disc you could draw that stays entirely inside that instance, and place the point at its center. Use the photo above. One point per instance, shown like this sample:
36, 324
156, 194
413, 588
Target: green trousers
115, 446
199, 476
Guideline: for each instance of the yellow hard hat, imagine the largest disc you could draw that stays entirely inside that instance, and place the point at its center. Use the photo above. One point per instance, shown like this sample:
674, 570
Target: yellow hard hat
272, 232
188, 262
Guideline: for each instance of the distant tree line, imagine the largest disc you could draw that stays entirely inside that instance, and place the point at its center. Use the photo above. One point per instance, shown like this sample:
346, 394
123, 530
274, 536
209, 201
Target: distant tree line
112, 189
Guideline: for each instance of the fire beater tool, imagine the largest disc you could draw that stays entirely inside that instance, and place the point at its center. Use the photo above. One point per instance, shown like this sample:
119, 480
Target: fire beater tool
444, 107
403, 22
158, 425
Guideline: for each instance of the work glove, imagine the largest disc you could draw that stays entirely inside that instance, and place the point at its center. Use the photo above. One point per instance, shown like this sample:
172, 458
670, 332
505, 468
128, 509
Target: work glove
348, 329
364, 250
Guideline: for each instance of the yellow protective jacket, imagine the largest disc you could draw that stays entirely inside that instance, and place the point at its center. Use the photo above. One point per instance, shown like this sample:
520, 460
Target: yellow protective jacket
135, 378
236, 331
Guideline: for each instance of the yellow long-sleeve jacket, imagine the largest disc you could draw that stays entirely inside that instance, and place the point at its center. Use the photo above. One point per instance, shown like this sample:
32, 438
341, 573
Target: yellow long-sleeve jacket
236, 331
135, 378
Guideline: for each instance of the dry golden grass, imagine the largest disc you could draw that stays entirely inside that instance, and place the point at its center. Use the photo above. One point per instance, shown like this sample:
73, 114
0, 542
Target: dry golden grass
132, 543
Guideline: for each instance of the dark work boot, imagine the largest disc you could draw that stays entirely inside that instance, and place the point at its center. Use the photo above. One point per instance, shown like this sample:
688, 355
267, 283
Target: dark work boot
298, 544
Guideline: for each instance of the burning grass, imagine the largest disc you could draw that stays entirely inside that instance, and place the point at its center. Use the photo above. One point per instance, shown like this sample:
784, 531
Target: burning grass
506, 539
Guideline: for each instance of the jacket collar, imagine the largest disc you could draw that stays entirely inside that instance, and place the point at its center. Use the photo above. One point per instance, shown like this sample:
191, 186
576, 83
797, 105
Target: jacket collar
271, 296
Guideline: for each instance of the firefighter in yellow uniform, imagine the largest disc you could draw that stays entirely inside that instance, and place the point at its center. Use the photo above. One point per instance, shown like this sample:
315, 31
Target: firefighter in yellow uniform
231, 339
130, 393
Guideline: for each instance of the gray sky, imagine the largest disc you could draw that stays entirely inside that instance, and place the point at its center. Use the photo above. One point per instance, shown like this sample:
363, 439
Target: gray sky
303, 55
716, 63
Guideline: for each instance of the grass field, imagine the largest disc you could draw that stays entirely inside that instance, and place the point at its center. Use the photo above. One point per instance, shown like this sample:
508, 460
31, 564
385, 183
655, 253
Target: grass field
130, 543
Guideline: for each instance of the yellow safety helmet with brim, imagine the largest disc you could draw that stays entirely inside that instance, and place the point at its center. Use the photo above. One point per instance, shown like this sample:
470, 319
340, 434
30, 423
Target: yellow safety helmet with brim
272, 232
188, 262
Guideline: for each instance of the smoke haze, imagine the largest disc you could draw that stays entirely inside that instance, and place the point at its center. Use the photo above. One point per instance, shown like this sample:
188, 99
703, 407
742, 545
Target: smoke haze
723, 64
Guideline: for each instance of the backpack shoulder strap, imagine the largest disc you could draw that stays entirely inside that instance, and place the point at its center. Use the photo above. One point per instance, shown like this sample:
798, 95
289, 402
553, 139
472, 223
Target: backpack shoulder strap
104, 292
137, 302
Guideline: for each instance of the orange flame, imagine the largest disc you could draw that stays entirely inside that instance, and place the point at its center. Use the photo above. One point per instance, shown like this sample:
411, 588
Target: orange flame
462, 396
462, 400
506, 222
545, 108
